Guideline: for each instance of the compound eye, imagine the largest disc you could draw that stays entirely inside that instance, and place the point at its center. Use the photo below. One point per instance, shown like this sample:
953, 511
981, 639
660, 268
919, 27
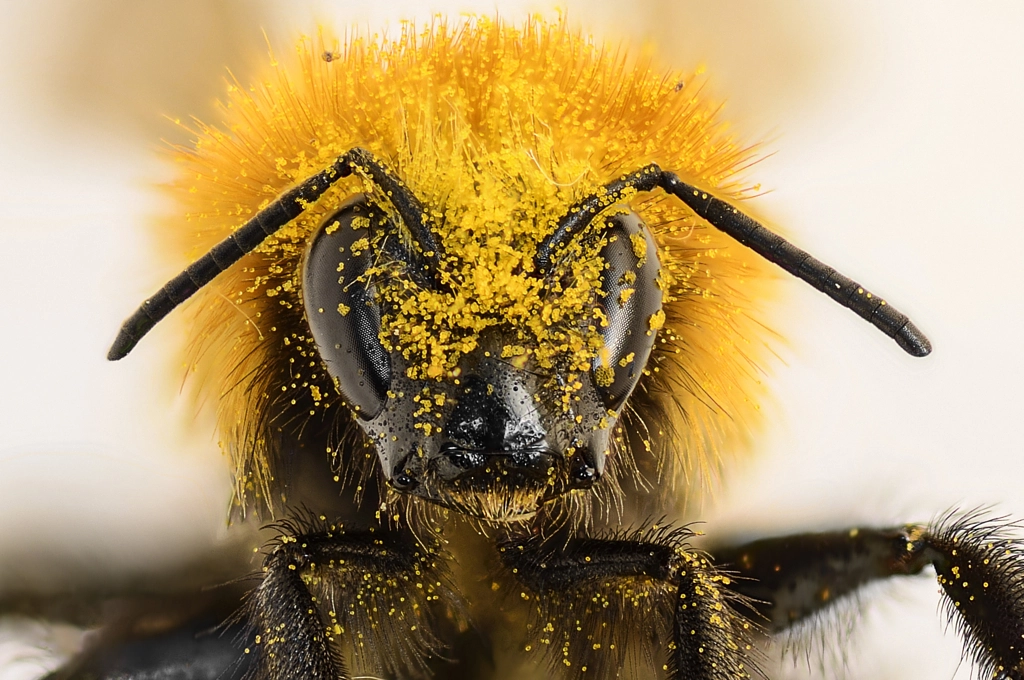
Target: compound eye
342, 306
631, 301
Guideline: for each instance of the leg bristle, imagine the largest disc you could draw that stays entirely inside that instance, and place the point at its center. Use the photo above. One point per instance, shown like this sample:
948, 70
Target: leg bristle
979, 562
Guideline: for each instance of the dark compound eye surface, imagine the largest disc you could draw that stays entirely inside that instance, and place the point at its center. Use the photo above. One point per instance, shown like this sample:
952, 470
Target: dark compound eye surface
631, 301
342, 308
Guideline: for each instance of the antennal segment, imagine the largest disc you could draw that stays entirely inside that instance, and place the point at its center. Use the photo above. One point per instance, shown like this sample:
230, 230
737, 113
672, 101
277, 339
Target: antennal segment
404, 202
242, 241
283, 210
802, 265
582, 213
750, 233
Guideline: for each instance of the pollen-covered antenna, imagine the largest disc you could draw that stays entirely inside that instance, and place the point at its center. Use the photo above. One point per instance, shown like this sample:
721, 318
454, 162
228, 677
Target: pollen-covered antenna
750, 233
250, 235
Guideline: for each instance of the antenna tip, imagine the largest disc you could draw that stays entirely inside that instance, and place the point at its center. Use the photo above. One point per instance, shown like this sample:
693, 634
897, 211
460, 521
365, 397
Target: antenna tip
133, 329
122, 346
913, 341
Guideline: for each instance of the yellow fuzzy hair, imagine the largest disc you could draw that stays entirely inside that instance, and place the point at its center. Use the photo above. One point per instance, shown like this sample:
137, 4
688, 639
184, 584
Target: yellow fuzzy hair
497, 129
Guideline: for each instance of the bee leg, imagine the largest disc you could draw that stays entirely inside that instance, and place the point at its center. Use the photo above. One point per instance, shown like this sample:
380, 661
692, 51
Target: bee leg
326, 592
591, 594
790, 578
182, 637
980, 568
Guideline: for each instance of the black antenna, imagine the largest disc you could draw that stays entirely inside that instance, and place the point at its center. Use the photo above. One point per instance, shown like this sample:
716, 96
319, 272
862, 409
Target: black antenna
750, 233
408, 207
250, 235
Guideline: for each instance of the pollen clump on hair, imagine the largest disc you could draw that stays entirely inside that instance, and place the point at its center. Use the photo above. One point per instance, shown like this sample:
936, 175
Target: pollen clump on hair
497, 129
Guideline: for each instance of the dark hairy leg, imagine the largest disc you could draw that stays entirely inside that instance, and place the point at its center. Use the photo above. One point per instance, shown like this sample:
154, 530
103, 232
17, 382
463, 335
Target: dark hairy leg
377, 600
379, 596
179, 637
676, 608
979, 565
598, 603
791, 578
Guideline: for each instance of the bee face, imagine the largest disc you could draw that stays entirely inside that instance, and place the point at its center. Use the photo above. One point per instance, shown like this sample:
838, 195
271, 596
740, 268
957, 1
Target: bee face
494, 439
487, 156
438, 247
506, 418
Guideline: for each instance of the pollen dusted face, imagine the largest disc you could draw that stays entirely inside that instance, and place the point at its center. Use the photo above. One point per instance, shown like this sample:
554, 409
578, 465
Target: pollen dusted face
483, 383
496, 131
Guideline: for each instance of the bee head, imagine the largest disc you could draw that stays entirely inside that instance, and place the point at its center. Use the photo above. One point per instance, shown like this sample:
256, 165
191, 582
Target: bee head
505, 425
486, 349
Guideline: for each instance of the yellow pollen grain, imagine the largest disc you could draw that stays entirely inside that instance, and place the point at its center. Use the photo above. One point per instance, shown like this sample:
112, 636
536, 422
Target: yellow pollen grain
639, 244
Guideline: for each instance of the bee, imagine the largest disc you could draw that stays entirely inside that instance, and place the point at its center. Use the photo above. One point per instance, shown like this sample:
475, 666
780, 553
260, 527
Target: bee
476, 306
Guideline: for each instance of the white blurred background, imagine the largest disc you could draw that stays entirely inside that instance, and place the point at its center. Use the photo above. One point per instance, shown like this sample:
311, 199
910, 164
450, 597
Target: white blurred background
897, 132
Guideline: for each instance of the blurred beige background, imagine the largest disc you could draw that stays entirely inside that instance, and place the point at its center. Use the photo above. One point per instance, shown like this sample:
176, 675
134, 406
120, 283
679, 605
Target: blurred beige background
897, 148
